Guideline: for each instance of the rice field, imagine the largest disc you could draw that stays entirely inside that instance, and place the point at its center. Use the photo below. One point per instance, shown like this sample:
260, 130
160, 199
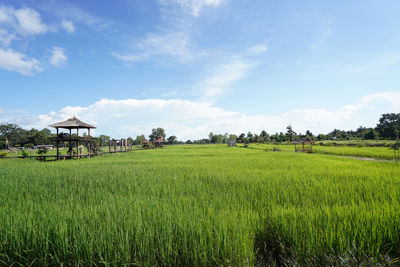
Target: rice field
200, 205
353, 151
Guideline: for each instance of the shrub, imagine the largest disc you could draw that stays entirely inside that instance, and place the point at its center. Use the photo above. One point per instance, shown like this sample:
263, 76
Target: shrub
42, 150
3, 154
25, 153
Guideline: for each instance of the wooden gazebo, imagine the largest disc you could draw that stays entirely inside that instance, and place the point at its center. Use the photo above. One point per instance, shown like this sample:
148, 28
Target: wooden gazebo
73, 123
303, 145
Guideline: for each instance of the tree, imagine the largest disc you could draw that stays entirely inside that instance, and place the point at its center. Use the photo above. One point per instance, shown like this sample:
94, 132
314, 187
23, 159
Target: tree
241, 137
232, 137
290, 133
370, 135
13, 133
155, 133
139, 140
264, 136
389, 125
130, 141
104, 139
172, 139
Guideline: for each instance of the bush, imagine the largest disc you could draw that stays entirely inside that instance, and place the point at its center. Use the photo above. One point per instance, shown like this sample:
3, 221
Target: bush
25, 153
42, 150
3, 154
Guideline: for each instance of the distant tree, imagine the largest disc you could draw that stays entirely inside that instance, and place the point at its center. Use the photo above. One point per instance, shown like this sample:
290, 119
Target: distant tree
139, 140
389, 125
155, 133
130, 141
232, 137
104, 140
370, 134
13, 133
172, 139
290, 133
40, 138
396, 149
264, 136
241, 137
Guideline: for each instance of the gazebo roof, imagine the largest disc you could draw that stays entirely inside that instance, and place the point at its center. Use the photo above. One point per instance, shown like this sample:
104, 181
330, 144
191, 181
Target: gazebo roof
72, 123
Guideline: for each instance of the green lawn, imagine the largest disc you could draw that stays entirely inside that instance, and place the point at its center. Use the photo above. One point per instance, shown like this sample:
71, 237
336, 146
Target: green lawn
199, 205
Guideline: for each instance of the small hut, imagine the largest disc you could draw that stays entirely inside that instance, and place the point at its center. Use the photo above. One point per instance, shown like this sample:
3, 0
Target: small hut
147, 144
159, 142
303, 145
70, 124
231, 143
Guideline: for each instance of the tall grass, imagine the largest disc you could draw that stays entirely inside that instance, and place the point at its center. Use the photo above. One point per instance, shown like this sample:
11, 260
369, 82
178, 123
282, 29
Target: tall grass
364, 151
198, 205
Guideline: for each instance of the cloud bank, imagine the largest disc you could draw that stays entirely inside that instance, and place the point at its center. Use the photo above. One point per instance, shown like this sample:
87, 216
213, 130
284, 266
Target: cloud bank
194, 120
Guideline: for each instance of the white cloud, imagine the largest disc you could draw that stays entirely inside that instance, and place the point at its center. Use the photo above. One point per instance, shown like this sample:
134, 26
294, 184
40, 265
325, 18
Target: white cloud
29, 22
257, 49
15, 61
169, 44
131, 117
6, 14
220, 78
6, 38
58, 57
68, 26
195, 7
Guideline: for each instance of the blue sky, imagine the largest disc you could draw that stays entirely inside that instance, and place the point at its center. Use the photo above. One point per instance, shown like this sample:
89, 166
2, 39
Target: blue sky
200, 66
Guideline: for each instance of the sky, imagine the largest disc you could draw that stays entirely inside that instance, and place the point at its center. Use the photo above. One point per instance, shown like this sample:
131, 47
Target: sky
200, 66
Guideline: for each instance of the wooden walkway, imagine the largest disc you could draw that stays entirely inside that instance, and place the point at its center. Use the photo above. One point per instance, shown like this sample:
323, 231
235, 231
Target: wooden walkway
62, 157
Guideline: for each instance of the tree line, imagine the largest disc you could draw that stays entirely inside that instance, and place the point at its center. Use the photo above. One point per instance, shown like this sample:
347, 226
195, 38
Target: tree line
388, 127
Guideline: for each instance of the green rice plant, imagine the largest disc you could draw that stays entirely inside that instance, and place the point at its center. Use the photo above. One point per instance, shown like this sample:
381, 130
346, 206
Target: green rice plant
200, 205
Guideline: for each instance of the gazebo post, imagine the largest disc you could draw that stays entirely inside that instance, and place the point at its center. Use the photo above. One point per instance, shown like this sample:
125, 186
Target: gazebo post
70, 142
126, 143
77, 143
89, 142
58, 146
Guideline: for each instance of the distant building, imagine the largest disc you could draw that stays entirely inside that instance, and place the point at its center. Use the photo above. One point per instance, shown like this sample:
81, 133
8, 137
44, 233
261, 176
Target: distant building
231, 143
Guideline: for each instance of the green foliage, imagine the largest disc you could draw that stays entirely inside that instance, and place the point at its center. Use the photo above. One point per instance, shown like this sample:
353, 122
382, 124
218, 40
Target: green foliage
157, 132
139, 140
3, 154
389, 125
200, 206
42, 150
396, 149
25, 152
172, 139
290, 133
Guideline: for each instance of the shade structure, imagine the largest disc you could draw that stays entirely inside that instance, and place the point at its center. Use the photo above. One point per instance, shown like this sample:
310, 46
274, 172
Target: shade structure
72, 123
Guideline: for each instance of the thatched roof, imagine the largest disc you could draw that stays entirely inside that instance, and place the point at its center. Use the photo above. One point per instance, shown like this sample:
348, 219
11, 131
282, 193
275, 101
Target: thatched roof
303, 141
160, 140
72, 123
